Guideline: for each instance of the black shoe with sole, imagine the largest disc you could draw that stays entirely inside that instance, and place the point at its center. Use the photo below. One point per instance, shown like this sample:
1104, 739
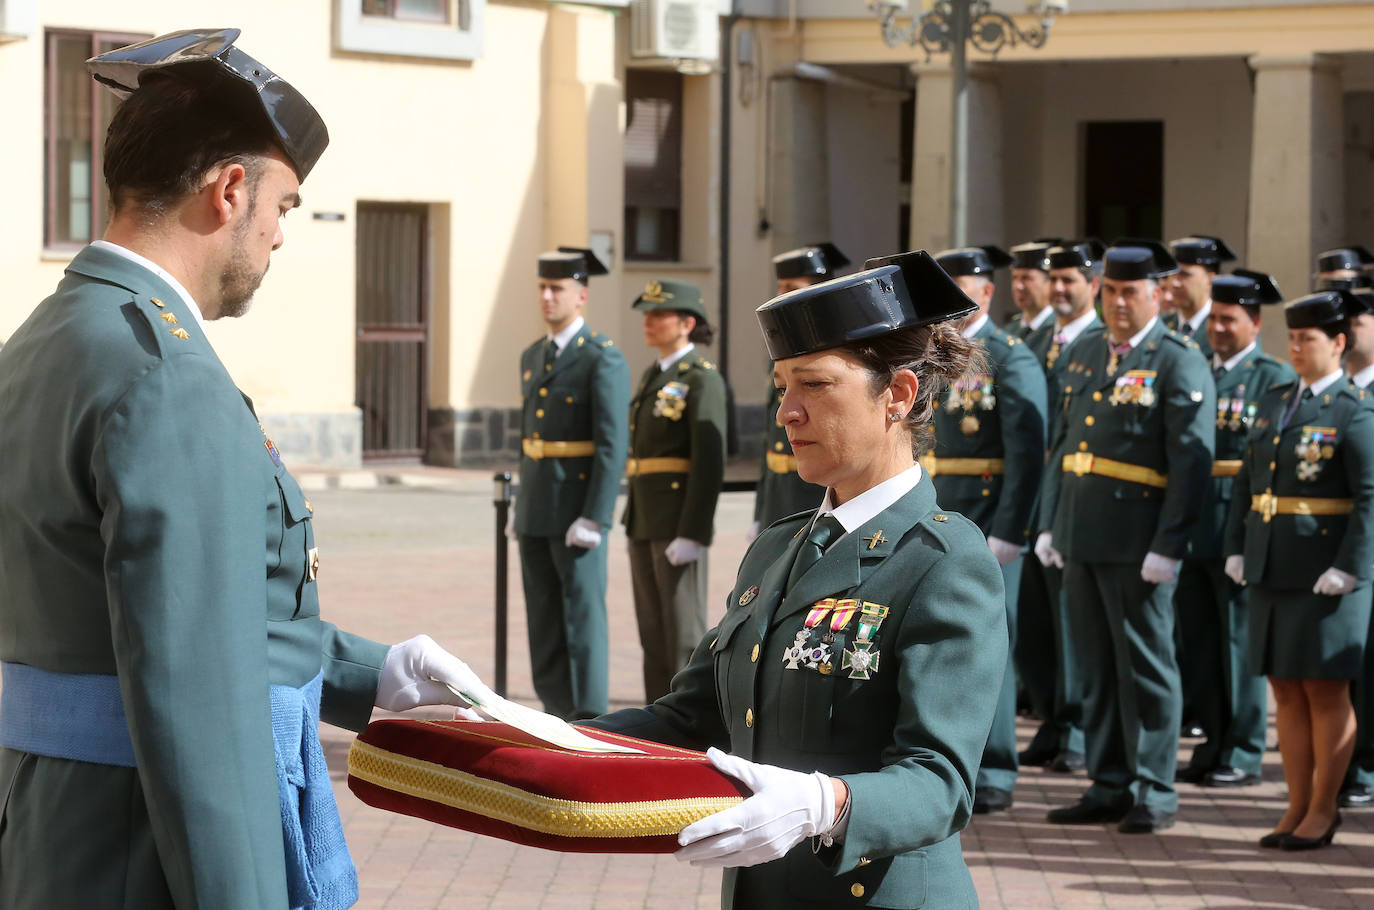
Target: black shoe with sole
1357, 796
1274, 839
1226, 776
1190, 774
990, 799
1086, 812
1037, 757
1145, 820
1067, 762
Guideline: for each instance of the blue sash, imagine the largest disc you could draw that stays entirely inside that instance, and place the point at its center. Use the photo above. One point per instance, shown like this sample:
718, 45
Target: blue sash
81, 717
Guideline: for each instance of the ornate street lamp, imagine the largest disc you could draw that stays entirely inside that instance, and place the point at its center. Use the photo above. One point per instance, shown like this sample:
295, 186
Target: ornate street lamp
949, 26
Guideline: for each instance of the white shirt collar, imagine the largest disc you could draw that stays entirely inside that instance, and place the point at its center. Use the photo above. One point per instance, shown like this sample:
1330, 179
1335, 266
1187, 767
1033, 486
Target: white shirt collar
1321, 385
1138, 337
973, 329
1200, 316
1040, 317
1075, 328
853, 514
560, 341
159, 271
1230, 365
1364, 377
665, 362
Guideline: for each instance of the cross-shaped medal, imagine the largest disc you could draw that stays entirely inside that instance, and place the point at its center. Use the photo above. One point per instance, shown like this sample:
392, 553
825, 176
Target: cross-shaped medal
876, 539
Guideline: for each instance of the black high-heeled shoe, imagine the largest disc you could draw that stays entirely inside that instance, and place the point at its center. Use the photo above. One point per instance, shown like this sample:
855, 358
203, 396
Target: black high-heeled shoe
1312, 843
1274, 839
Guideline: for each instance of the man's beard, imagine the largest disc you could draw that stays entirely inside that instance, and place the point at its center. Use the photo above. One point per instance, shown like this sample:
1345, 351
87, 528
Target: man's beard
239, 280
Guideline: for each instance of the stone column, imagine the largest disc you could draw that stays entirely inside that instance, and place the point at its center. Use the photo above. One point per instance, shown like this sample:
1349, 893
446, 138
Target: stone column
799, 165
1296, 174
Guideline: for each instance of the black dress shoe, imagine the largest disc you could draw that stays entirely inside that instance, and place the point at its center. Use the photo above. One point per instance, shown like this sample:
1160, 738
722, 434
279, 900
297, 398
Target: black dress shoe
1067, 762
1292, 842
1229, 777
1190, 774
990, 799
1144, 820
1357, 796
1086, 812
1274, 839
1037, 757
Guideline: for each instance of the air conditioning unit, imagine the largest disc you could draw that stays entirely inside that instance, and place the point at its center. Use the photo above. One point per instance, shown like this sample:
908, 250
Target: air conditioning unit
675, 29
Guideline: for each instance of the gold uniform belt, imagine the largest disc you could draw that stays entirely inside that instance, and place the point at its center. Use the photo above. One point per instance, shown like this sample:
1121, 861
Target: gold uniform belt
781, 463
556, 448
636, 466
1226, 467
966, 467
1081, 463
1269, 505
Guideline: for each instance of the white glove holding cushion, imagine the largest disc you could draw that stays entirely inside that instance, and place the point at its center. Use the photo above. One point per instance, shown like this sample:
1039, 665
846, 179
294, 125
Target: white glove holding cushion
1333, 583
682, 551
1004, 550
415, 672
752, 532
1045, 552
1235, 568
583, 533
786, 808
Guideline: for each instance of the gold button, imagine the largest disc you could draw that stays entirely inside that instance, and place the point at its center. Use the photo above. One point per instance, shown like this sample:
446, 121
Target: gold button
987, 492
1082, 447
777, 447
539, 413
856, 889
1276, 440
1323, 532
536, 435
156, 302
1089, 420
675, 484
754, 655
570, 401
1097, 396
543, 393
308, 506
581, 476
1271, 465
1068, 390
749, 717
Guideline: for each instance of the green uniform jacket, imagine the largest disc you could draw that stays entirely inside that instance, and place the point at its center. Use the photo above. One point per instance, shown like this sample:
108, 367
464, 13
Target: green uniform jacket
584, 397
677, 413
1238, 393
148, 532
1173, 322
1039, 340
780, 494
1156, 412
907, 741
997, 414
1335, 432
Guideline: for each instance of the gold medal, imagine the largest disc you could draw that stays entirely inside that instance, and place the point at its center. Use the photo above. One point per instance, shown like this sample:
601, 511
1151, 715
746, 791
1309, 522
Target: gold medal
969, 424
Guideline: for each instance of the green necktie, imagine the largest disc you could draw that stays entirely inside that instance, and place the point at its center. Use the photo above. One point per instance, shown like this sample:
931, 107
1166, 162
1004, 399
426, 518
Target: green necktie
826, 529
550, 354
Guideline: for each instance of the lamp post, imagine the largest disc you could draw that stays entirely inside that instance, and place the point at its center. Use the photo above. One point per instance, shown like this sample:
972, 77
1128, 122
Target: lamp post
949, 26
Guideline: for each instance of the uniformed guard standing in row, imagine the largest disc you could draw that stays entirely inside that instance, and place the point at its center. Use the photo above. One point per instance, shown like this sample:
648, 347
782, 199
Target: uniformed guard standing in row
1030, 288
575, 395
1045, 655
1134, 445
986, 464
1228, 699
1301, 536
165, 664
1199, 260
676, 469
781, 492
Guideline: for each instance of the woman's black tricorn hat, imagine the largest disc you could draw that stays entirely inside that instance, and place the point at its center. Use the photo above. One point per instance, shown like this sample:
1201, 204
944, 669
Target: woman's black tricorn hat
890, 294
1326, 308
207, 57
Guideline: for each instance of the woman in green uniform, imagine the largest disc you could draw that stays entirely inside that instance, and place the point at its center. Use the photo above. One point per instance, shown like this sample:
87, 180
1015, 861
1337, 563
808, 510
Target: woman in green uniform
854, 675
675, 469
1301, 534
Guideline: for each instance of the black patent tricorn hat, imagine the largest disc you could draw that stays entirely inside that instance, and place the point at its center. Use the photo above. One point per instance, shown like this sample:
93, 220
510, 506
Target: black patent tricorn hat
571, 262
973, 260
1353, 257
890, 294
1322, 309
208, 57
1034, 254
1201, 249
1134, 259
1247, 288
1076, 254
812, 260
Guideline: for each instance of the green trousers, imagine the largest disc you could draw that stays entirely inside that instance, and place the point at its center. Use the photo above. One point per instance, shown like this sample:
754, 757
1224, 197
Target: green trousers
999, 766
670, 608
565, 610
1045, 662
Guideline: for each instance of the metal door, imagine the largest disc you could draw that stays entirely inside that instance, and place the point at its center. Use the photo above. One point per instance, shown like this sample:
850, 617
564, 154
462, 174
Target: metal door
393, 329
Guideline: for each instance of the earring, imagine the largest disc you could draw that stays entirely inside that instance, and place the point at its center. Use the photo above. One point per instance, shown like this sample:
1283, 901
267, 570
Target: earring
895, 417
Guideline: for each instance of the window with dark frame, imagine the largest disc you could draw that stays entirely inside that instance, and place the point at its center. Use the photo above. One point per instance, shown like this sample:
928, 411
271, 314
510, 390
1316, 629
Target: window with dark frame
653, 164
76, 114
409, 10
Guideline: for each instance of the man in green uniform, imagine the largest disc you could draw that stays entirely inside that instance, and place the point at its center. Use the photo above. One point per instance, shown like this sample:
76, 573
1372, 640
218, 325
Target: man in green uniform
1044, 652
1134, 444
1030, 288
781, 492
574, 392
1199, 260
986, 465
676, 469
1228, 698
165, 664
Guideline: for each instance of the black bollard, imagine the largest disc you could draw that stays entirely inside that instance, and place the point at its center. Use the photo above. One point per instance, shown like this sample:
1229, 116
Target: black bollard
501, 486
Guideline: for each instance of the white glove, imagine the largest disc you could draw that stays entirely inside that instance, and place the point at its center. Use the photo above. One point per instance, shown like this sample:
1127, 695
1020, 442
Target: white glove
787, 807
1004, 550
1334, 583
1046, 553
510, 521
583, 533
415, 672
681, 551
1235, 568
1157, 570
752, 532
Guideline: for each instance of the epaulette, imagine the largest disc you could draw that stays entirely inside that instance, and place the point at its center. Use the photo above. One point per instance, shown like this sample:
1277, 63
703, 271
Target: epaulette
167, 328
1281, 385
1180, 340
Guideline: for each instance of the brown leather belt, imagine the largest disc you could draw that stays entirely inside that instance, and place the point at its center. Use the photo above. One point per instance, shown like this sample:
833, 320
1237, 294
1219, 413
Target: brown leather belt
781, 463
636, 466
1226, 467
964, 467
1269, 505
1081, 463
557, 448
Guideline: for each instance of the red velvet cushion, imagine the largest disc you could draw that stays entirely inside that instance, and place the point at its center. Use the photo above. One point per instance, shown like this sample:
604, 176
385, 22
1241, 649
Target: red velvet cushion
493, 779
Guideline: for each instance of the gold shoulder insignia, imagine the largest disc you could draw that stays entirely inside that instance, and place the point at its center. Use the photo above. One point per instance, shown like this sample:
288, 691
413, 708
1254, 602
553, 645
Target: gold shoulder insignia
707, 365
169, 318
607, 343
579, 342
684, 366
594, 334
157, 303
180, 333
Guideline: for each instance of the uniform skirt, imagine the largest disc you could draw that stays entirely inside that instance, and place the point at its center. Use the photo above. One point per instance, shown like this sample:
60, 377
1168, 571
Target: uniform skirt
1301, 635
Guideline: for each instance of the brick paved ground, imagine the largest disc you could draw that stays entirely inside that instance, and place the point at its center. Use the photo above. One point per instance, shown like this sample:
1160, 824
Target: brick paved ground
409, 558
